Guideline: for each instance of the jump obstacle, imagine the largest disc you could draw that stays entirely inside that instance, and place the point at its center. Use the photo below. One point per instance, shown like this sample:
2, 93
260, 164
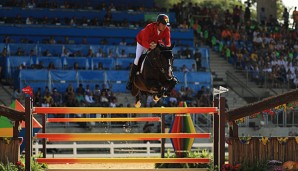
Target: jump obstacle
30, 110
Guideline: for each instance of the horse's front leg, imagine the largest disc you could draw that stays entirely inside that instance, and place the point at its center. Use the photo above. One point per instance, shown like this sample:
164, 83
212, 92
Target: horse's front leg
172, 84
138, 101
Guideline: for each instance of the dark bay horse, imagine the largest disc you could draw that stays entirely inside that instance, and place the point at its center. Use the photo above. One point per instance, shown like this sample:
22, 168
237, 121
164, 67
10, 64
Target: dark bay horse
155, 76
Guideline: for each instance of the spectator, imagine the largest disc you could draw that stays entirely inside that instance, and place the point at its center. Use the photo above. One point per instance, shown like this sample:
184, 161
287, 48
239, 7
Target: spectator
29, 20
20, 52
51, 65
80, 89
103, 99
70, 100
66, 40
57, 98
47, 53
184, 68
187, 53
96, 93
17, 95
7, 39
263, 16
52, 40
295, 18
100, 53
4, 52
32, 53
69, 89
48, 99
193, 68
65, 53
122, 54
112, 97
37, 98
80, 98
123, 42
285, 16
84, 41
78, 53
111, 54
247, 13
113, 103
90, 53
89, 98
100, 66
198, 59
107, 18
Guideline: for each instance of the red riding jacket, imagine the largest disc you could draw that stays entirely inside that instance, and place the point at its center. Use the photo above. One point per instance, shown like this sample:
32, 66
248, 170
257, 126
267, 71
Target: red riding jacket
149, 34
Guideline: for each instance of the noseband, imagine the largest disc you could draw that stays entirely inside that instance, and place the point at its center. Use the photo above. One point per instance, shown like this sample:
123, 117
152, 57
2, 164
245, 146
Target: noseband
162, 67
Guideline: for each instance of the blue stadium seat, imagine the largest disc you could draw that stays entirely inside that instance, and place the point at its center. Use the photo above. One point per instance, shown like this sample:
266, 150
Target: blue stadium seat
178, 63
129, 50
92, 78
74, 48
54, 49
47, 60
13, 63
31, 78
108, 63
68, 62
61, 78
26, 48
124, 63
118, 80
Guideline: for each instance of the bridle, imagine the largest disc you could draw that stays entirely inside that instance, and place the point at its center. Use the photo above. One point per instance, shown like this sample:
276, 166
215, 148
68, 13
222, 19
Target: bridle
162, 68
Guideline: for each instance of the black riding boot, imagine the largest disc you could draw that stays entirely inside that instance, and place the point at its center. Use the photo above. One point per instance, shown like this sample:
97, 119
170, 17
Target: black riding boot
132, 75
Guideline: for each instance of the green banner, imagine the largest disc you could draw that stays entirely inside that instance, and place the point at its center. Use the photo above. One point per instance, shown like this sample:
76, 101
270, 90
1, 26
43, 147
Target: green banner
149, 16
5, 122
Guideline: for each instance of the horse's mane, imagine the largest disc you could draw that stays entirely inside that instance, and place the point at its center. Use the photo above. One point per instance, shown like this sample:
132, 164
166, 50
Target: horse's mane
160, 48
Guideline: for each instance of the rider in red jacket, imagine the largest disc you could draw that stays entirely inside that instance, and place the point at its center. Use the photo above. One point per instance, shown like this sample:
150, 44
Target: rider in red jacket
147, 38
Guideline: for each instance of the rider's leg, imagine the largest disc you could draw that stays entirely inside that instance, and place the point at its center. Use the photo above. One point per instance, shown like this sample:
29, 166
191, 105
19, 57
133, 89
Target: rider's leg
140, 49
133, 72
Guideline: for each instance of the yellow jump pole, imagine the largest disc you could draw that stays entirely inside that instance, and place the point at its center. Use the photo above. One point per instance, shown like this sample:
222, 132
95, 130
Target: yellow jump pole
122, 160
116, 137
105, 110
140, 119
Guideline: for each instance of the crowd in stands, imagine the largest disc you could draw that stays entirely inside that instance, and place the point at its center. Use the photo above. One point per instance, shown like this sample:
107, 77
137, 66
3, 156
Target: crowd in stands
267, 50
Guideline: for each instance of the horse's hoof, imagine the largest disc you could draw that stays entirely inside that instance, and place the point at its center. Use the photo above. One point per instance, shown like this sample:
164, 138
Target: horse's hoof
138, 104
155, 98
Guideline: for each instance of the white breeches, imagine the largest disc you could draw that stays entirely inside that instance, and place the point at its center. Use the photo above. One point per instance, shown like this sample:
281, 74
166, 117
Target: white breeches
139, 51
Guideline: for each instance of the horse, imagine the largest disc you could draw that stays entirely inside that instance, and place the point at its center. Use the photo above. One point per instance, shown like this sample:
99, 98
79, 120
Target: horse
155, 76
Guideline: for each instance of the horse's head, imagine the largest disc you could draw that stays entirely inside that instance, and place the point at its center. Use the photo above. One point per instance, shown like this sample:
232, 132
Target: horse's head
162, 58
156, 77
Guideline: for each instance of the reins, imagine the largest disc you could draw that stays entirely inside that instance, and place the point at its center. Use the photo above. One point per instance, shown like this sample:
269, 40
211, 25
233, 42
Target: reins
161, 67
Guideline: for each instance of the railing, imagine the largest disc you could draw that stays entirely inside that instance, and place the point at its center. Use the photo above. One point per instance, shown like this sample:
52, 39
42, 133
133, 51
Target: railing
264, 80
240, 88
114, 149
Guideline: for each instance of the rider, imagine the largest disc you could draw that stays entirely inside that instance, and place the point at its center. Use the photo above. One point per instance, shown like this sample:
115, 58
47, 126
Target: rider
147, 39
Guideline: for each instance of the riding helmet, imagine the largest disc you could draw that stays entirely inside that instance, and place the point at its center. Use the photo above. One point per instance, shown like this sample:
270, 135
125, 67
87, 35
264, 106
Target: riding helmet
164, 19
